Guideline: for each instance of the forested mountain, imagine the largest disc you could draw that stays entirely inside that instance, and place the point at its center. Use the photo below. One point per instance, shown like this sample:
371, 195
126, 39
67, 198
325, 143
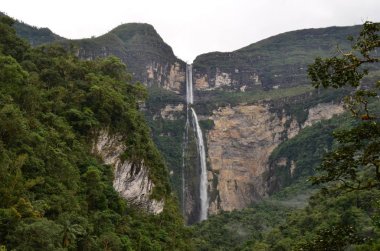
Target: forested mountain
56, 192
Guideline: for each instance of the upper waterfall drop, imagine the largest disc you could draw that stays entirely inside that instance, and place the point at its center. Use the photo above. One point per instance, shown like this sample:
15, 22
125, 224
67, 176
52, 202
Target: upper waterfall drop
189, 84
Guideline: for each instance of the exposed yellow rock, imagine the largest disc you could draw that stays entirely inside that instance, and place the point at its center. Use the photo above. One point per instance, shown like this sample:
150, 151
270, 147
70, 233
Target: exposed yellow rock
172, 80
239, 147
175, 78
170, 112
201, 82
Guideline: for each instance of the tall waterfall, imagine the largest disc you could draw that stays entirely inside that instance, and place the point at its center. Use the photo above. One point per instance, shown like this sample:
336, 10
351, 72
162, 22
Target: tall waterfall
200, 149
203, 177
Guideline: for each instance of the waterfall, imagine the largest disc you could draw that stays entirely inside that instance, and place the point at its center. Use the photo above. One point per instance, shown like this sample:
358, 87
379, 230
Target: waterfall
203, 176
189, 84
200, 148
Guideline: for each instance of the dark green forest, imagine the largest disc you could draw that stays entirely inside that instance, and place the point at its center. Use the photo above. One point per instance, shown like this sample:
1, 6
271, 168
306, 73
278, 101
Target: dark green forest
55, 194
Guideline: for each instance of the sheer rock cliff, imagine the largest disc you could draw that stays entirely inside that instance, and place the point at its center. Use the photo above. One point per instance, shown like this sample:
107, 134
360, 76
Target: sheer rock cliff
239, 147
131, 179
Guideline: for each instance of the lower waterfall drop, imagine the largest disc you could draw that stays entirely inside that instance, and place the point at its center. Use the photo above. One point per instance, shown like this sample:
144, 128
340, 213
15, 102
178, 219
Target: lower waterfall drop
203, 176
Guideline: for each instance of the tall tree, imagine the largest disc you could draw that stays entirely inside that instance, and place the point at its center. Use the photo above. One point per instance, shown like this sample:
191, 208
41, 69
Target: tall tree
355, 163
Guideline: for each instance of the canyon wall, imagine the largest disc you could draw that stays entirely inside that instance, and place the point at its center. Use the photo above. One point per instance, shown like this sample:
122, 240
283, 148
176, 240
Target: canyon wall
239, 147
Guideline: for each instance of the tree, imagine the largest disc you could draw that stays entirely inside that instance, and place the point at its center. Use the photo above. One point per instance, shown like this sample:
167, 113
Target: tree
355, 163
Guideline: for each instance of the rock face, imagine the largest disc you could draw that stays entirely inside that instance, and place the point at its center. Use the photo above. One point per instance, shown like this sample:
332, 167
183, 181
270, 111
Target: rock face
170, 112
150, 60
214, 79
169, 77
239, 147
131, 179
322, 111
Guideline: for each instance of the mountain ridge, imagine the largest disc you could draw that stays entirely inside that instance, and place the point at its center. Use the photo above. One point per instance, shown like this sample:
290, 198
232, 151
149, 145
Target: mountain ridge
277, 61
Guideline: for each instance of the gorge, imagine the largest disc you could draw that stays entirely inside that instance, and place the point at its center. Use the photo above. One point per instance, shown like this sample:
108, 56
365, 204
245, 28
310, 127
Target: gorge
247, 103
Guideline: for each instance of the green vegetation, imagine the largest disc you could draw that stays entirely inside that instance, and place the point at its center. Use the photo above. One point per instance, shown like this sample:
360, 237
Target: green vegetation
231, 230
355, 163
167, 134
218, 98
302, 158
56, 195
277, 224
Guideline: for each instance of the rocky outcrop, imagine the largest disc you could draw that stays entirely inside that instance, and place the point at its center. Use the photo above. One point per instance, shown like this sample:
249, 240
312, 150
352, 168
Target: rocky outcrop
229, 80
322, 111
170, 77
170, 112
175, 78
131, 179
239, 147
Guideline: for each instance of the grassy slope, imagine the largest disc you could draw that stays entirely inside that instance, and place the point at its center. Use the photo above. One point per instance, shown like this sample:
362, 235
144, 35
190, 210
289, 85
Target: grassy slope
281, 59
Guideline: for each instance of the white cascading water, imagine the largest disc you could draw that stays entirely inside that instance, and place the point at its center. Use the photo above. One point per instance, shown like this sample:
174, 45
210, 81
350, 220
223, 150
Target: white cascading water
203, 178
189, 84
200, 147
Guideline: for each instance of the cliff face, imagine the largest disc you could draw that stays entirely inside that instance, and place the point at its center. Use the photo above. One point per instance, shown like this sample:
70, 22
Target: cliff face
149, 59
239, 147
131, 179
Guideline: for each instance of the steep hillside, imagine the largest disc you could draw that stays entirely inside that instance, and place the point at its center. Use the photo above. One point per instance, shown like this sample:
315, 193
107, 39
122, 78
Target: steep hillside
149, 59
276, 62
141, 48
78, 167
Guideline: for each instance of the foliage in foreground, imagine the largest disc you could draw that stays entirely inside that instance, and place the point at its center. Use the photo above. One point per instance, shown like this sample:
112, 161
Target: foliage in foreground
55, 195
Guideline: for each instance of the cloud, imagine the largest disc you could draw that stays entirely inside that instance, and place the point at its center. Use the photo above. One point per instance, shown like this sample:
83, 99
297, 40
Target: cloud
197, 26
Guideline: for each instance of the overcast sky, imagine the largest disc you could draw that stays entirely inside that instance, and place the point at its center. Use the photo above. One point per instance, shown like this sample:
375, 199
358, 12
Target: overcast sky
193, 27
